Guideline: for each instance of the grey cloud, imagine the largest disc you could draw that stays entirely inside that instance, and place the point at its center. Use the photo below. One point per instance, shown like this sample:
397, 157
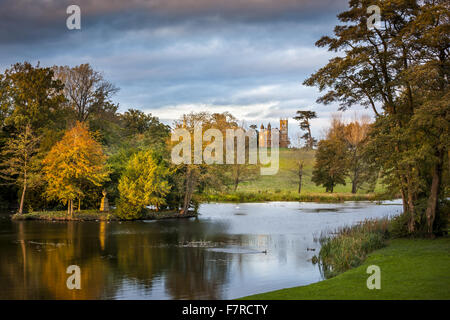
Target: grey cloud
44, 20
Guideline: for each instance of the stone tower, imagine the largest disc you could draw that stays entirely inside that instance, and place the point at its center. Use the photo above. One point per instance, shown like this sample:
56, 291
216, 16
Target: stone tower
269, 136
284, 134
263, 137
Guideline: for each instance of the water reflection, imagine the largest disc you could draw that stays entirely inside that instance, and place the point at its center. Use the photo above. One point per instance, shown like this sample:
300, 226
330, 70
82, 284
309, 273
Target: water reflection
228, 252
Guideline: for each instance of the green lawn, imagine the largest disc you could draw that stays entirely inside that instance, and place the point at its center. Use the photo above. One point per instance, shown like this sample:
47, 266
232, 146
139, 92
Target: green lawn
410, 269
287, 177
284, 185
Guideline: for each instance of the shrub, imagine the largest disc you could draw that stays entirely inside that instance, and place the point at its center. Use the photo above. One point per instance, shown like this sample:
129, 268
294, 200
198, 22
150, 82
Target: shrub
128, 211
399, 226
441, 222
348, 247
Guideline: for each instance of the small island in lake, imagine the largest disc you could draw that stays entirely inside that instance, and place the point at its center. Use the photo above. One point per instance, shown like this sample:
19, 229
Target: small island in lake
96, 215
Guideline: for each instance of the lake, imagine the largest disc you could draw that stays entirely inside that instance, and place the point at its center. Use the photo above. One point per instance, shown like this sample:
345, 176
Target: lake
229, 251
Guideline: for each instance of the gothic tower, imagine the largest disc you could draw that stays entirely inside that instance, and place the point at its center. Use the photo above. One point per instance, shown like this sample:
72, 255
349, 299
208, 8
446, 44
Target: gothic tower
284, 135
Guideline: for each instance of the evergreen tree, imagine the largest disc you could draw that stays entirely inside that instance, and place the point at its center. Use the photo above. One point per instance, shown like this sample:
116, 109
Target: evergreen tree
144, 183
304, 118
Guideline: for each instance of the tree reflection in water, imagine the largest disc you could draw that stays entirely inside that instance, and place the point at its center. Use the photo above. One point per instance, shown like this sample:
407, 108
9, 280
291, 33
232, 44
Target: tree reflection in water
107, 253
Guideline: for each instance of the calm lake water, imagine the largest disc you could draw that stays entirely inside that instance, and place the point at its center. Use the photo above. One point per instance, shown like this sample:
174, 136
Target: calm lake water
229, 251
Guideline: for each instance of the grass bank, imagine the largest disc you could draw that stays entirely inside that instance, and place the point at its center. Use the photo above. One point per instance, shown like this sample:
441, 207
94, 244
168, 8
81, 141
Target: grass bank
348, 247
95, 215
410, 269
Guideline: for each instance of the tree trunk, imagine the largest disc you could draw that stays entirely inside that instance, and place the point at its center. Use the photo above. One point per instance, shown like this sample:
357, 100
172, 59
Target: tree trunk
404, 202
22, 198
355, 181
300, 176
408, 201
355, 172
79, 204
236, 177
188, 191
434, 196
411, 209
403, 191
187, 201
310, 138
354, 188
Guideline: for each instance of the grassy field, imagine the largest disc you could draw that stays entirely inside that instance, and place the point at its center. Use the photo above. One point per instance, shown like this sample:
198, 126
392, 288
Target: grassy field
410, 269
284, 185
287, 177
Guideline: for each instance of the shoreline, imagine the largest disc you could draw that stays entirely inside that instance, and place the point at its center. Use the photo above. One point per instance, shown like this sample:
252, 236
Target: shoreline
97, 216
399, 280
252, 197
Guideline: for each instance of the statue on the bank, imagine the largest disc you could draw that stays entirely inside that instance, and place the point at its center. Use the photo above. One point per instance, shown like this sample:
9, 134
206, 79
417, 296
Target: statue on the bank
104, 206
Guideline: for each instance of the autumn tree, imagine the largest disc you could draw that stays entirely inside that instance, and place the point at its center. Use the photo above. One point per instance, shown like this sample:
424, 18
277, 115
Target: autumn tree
304, 118
331, 165
75, 162
197, 177
400, 70
235, 173
144, 183
298, 169
191, 174
86, 90
361, 170
21, 166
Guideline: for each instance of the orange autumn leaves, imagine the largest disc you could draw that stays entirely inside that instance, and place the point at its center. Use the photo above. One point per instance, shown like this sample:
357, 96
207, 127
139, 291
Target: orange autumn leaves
74, 163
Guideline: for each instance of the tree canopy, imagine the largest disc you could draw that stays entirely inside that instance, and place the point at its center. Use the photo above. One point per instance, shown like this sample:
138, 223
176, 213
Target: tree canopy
144, 183
72, 164
401, 71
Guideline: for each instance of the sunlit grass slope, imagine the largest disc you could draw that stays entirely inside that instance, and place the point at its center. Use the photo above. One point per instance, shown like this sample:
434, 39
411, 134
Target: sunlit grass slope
284, 185
410, 269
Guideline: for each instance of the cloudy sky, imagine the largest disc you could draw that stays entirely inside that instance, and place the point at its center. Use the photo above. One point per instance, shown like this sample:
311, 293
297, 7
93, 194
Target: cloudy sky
170, 57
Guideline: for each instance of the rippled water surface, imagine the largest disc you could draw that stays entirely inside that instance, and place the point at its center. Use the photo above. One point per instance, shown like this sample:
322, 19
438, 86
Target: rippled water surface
229, 251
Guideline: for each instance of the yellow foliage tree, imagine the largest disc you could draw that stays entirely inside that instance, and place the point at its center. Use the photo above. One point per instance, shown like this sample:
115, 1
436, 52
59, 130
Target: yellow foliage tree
73, 163
144, 182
